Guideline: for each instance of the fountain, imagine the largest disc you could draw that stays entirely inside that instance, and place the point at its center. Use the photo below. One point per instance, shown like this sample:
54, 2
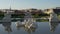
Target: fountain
28, 21
53, 16
7, 17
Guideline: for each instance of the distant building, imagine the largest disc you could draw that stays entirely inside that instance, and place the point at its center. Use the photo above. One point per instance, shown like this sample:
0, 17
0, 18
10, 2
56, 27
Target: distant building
19, 11
35, 11
57, 11
57, 7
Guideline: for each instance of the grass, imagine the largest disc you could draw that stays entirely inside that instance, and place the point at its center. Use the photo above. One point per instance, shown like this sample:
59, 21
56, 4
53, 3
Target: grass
39, 15
59, 16
17, 16
34, 15
42, 20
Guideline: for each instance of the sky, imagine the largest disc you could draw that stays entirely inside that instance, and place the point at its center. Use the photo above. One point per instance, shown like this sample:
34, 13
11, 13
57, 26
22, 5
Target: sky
26, 4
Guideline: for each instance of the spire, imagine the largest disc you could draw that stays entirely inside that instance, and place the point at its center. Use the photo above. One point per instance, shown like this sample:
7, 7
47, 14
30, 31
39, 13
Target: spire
10, 8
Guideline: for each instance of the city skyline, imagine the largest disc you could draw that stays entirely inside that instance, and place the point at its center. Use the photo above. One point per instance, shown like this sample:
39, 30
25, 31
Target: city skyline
25, 4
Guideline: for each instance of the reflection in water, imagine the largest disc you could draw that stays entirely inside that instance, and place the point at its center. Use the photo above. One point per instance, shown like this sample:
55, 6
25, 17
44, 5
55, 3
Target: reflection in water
7, 27
53, 26
29, 30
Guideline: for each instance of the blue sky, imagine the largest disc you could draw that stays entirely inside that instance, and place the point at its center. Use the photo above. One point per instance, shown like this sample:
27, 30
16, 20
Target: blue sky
25, 4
